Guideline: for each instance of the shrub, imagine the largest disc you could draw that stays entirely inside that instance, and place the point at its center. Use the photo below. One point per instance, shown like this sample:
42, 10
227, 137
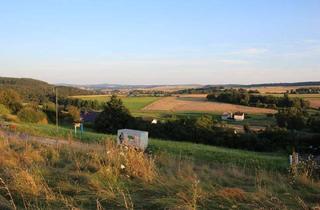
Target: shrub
4, 110
74, 113
11, 99
31, 115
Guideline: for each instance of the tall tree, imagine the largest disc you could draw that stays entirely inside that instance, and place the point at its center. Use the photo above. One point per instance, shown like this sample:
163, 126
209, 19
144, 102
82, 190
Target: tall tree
113, 117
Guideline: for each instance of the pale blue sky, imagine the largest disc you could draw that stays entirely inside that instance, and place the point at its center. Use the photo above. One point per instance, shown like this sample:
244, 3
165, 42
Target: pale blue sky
160, 42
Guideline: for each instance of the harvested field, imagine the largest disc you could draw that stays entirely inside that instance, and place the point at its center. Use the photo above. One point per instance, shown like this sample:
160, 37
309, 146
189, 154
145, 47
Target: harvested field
200, 103
314, 102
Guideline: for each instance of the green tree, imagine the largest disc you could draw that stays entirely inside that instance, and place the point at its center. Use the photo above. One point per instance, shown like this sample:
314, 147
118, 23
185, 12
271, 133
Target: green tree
314, 122
292, 118
113, 117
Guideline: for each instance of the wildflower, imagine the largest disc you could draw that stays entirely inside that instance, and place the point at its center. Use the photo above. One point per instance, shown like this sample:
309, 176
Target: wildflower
122, 166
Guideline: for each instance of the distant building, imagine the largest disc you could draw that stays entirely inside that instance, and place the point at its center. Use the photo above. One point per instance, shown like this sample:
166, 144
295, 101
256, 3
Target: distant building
154, 121
238, 116
226, 116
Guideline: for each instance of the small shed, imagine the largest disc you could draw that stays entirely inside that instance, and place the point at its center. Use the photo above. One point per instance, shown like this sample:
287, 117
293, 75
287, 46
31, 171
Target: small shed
134, 138
238, 116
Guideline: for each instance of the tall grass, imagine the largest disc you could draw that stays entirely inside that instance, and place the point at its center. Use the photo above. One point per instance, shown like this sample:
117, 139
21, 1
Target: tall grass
48, 177
196, 152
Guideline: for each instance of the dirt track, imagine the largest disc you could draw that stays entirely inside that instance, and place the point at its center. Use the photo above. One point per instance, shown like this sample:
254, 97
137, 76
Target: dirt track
11, 135
200, 103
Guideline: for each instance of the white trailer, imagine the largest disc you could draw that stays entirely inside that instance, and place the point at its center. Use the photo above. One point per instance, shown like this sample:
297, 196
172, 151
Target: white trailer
134, 138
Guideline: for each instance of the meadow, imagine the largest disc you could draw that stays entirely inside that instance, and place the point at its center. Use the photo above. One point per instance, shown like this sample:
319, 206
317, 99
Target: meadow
172, 175
196, 152
134, 104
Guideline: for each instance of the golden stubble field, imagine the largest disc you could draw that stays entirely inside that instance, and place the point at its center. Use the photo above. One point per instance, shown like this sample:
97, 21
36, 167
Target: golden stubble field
199, 103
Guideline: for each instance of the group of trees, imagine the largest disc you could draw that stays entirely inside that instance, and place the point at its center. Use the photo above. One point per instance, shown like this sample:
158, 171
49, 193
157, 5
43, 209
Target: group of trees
298, 119
79, 103
309, 90
12, 108
243, 97
201, 90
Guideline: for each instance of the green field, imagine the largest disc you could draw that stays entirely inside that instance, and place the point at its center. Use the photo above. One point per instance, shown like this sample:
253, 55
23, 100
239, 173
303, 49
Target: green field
134, 104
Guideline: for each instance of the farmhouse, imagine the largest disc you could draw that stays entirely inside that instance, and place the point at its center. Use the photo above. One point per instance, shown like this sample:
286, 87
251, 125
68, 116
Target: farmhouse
238, 116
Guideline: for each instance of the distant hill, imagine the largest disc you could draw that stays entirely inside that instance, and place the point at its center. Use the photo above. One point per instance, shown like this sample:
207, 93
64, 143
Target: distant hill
37, 90
312, 83
211, 88
110, 87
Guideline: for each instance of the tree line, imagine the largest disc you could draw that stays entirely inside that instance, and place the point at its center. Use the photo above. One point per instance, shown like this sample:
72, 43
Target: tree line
244, 97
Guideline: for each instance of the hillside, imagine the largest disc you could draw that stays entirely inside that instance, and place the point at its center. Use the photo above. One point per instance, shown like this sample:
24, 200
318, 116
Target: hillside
35, 90
172, 176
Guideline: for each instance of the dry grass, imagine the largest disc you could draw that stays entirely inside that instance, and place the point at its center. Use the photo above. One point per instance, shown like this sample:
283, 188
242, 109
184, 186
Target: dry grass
46, 177
232, 193
200, 103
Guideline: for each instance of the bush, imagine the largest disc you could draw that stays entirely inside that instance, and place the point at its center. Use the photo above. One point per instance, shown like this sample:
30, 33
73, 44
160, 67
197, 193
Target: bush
31, 115
4, 110
11, 100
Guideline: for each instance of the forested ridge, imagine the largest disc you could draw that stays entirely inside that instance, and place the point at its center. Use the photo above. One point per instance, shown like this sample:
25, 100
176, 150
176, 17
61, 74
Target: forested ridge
37, 90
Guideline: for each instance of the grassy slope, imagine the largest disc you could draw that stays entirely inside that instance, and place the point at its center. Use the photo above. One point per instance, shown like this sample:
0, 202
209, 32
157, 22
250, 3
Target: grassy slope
43, 177
197, 152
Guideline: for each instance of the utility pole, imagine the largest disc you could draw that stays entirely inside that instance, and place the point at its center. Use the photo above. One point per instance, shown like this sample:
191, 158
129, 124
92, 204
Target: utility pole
57, 109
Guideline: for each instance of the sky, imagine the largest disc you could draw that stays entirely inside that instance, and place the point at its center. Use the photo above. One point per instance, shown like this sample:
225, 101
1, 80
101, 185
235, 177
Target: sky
161, 42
